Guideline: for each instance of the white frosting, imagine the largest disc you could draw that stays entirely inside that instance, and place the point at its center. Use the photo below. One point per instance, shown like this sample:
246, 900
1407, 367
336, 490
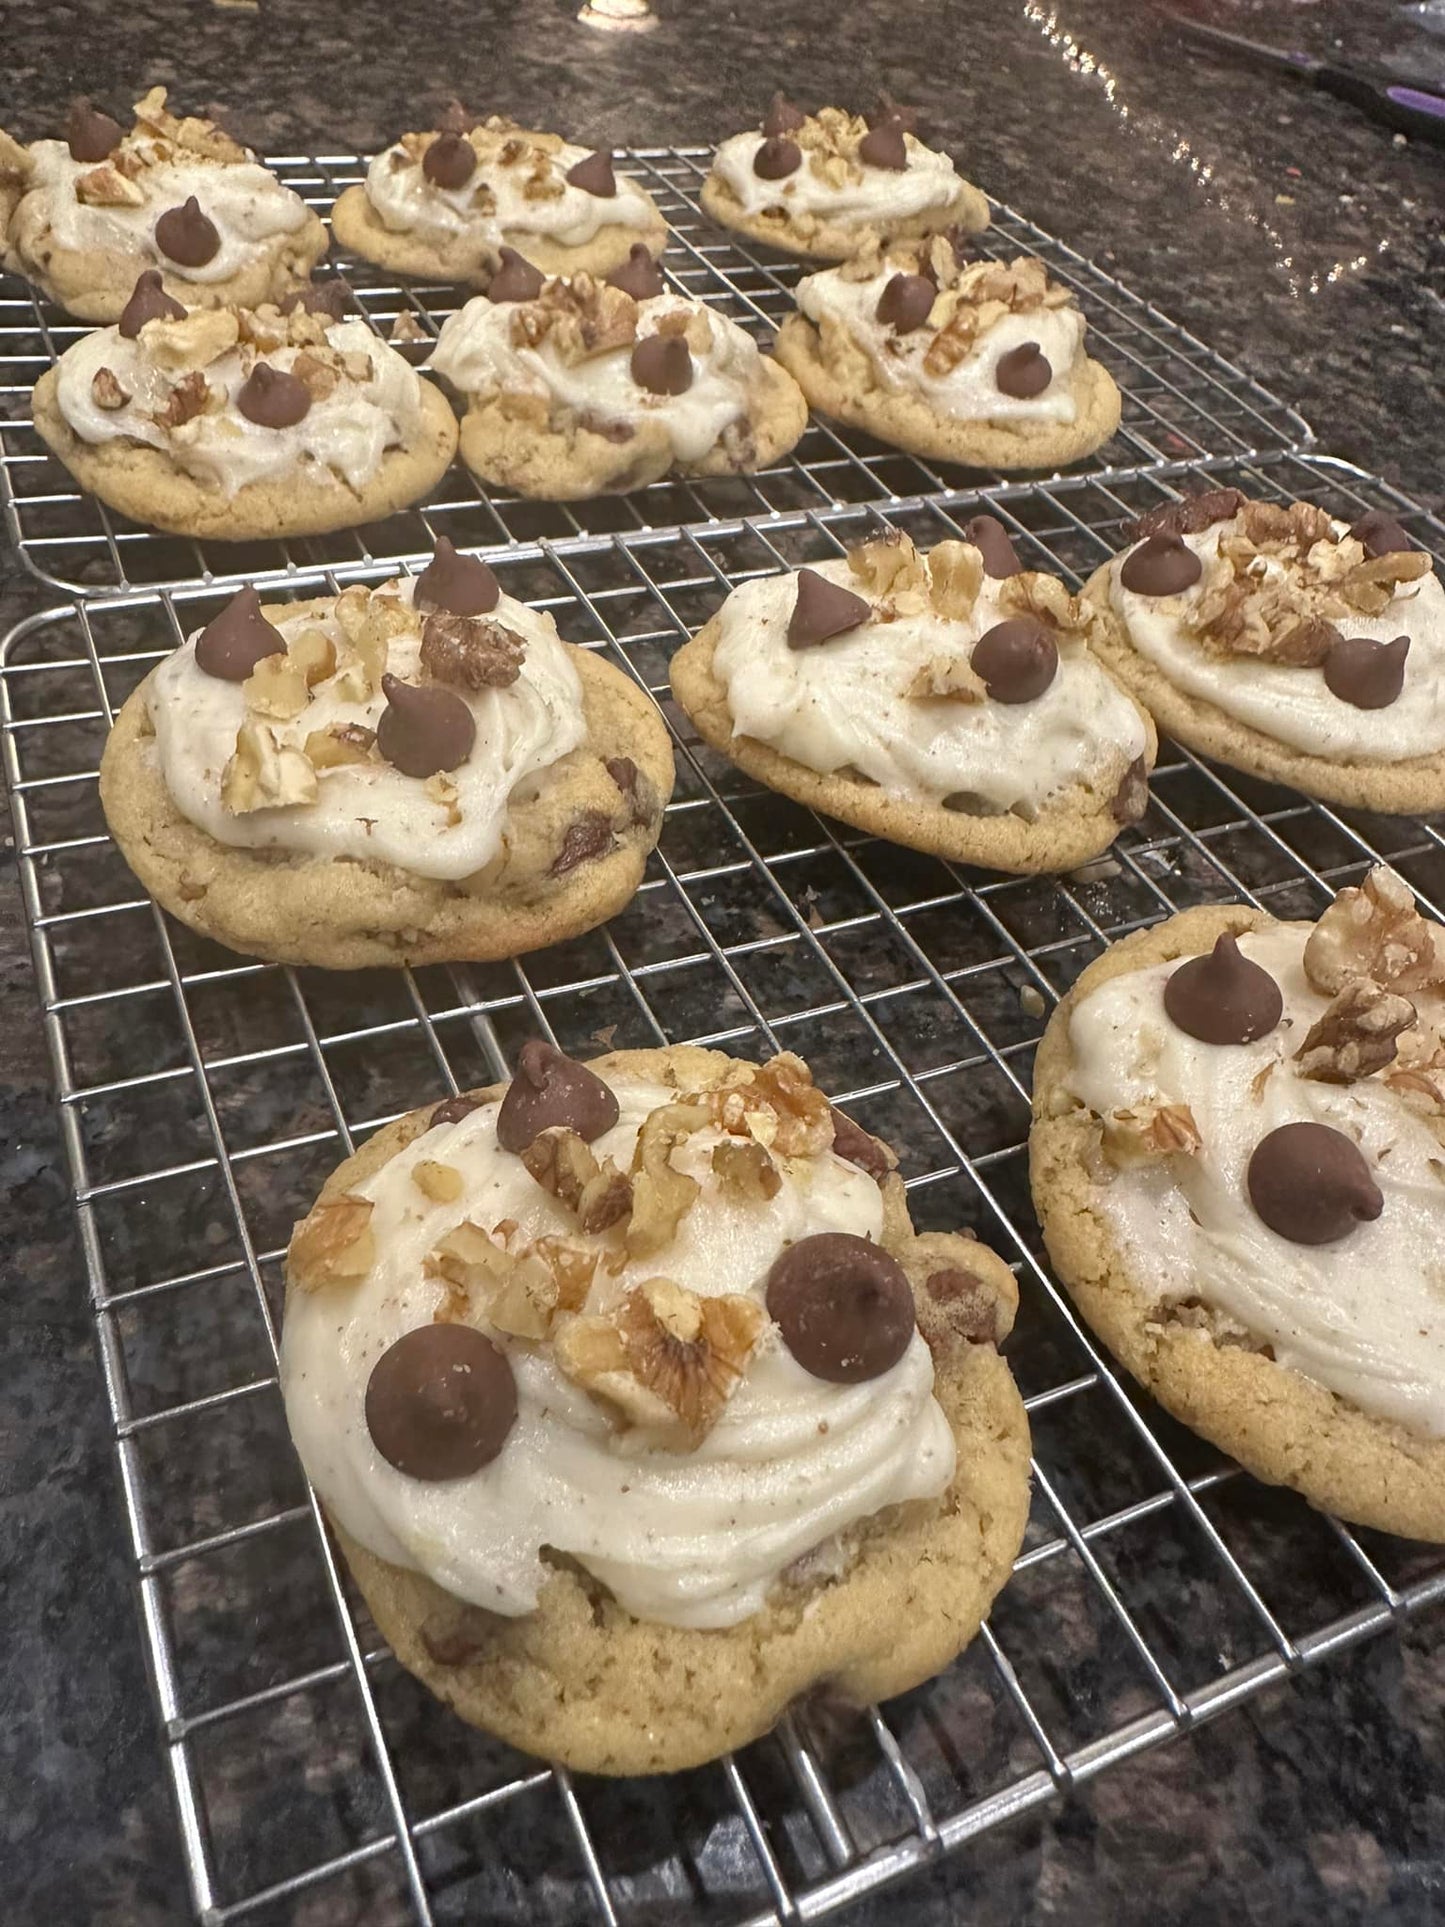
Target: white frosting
842, 703
970, 391
341, 438
408, 203
691, 1539
1293, 704
476, 354
370, 810
248, 206
883, 194
1364, 1317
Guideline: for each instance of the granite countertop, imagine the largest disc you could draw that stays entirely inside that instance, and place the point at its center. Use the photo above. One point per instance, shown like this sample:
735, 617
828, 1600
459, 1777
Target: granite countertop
1278, 225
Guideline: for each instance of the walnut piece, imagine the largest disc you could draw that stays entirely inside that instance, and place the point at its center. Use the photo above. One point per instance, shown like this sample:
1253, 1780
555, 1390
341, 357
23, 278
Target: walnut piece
744, 1171
442, 1183
276, 687
471, 652
945, 679
563, 1164
1355, 1035
581, 317
342, 745
264, 773
185, 402
194, 341
445, 792
894, 574
1376, 932
369, 622
406, 327
661, 1196
333, 1244
1148, 1132
313, 654
17, 163
522, 1286
195, 136
955, 576
106, 186
106, 391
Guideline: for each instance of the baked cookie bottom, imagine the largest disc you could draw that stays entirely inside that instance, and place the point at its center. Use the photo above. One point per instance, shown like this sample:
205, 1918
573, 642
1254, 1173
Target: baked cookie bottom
145, 484
582, 1681
356, 225
1412, 787
1281, 1426
572, 464
1074, 827
853, 396
342, 914
838, 240
94, 284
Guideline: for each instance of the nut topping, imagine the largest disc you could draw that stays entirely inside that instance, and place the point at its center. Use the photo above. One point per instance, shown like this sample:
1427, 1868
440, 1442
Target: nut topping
1355, 1036
471, 652
106, 392
264, 773
598, 1194
332, 1245
1145, 1133
1376, 932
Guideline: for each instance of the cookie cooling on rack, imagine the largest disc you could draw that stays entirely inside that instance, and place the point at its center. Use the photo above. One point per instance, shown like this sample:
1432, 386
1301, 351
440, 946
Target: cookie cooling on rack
1236, 1159
980, 362
442, 205
84, 215
949, 701
639, 1408
1287, 643
827, 183
578, 387
235, 424
417, 773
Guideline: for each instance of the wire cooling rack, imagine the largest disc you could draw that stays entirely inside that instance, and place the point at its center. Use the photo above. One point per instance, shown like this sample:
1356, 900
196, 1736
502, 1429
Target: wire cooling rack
204, 1097
1182, 401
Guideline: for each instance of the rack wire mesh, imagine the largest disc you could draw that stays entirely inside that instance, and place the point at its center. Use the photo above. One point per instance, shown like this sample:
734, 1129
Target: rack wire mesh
204, 1097
1182, 401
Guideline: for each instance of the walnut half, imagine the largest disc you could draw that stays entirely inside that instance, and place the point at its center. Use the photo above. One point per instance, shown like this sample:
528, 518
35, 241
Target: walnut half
1375, 931
333, 1244
1143, 1134
563, 1164
1355, 1036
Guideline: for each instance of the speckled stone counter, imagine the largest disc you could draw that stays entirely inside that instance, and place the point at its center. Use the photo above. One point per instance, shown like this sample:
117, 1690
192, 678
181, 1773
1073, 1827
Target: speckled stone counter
1276, 224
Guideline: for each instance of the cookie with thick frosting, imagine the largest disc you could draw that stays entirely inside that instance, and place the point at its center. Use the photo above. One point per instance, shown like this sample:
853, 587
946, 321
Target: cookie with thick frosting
978, 362
82, 216
638, 1407
1237, 1162
417, 773
828, 183
442, 205
950, 701
235, 424
1286, 643
578, 386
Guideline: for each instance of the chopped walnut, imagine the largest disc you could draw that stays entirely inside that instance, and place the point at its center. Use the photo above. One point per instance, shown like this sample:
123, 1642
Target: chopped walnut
804, 1115
196, 136
661, 1196
1032, 593
444, 791
1139, 1136
442, 1183
333, 1244
472, 652
745, 1173
342, 744
106, 391
406, 327
581, 317
1376, 932
314, 655
523, 1286
319, 374
276, 687
17, 163
194, 341
265, 774
1355, 1036
185, 402
563, 1164
945, 679
106, 186
955, 576
894, 574
369, 622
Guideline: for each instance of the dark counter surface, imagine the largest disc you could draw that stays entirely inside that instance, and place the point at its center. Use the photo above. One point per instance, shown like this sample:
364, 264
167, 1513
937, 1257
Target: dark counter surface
1279, 226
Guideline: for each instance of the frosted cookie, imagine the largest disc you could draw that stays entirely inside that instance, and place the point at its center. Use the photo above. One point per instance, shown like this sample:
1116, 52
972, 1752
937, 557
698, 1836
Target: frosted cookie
442, 205
83, 216
237, 423
418, 773
1288, 644
578, 387
979, 362
949, 701
638, 1408
1237, 1162
829, 183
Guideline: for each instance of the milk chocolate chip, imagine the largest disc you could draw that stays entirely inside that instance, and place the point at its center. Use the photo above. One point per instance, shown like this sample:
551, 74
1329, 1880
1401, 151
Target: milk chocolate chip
423, 731
1161, 565
185, 235
884, 146
587, 836
1223, 998
594, 175
662, 365
1023, 372
450, 161
148, 302
777, 158
639, 274
1311, 1184
457, 583
1381, 534
823, 609
989, 536
452, 1110
782, 117
852, 1142
89, 134
1368, 674
886, 108
1016, 659
515, 278
553, 1090
272, 398
1131, 799
906, 302
239, 638
843, 1305
440, 1402
333, 298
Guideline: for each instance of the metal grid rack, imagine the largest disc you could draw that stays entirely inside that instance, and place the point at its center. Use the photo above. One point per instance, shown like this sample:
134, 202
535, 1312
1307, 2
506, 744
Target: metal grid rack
1182, 402
204, 1096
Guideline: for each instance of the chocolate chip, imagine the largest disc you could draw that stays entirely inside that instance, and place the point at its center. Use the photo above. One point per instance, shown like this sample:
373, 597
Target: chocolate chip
843, 1305
514, 278
1368, 674
334, 299
440, 1402
594, 175
148, 302
423, 731
1223, 998
457, 583
1381, 534
1311, 1184
272, 398
884, 146
777, 158
782, 117
551, 1091
1161, 565
989, 536
587, 836
185, 235
822, 610
239, 637
852, 1142
886, 108
623, 772
455, 119
1131, 799
636, 788
662, 365
1016, 659
1023, 372
89, 134
639, 274
906, 302
452, 1110
972, 1306
1190, 515
450, 161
